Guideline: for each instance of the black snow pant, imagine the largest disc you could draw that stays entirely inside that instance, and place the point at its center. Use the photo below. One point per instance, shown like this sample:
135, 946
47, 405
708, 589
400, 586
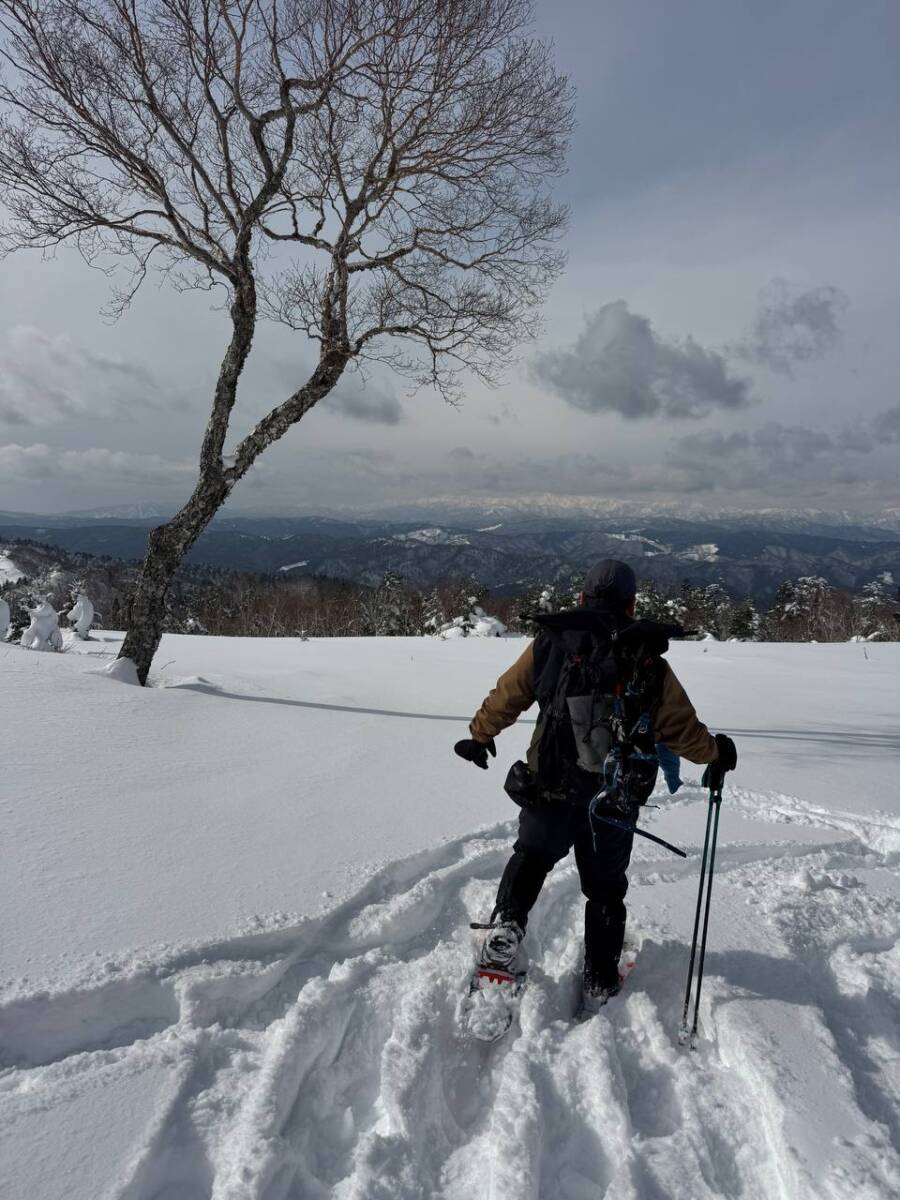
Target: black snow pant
547, 832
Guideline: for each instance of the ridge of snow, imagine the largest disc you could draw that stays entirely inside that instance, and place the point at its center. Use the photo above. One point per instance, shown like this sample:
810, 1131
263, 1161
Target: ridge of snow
657, 547
122, 670
433, 536
704, 552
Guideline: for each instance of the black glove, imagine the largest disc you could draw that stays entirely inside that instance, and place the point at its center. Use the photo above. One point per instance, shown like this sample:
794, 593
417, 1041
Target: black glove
714, 775
476, 752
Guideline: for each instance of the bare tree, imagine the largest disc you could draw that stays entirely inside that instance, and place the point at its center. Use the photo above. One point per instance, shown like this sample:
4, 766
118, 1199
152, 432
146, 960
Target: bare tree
372, 173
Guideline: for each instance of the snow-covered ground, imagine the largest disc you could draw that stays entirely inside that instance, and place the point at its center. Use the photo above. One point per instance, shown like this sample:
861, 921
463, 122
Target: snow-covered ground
234, 936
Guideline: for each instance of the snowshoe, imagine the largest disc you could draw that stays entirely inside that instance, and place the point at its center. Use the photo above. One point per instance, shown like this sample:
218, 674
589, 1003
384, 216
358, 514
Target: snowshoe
594, 998
495, 988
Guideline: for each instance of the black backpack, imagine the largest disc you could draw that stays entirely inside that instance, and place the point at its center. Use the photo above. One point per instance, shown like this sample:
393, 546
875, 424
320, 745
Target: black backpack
598, 682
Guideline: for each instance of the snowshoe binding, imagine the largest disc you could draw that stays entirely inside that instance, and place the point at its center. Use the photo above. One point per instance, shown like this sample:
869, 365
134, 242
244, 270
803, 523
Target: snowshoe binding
496, 985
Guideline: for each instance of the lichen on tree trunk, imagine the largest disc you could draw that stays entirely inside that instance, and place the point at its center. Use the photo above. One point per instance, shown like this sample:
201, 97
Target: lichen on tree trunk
166, 548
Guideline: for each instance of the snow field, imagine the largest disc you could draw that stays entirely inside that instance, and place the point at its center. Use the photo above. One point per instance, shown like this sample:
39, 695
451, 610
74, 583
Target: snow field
298, 1057
326, 1060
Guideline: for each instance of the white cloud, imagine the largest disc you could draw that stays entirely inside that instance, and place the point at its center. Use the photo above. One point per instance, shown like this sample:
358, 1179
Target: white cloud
619, 363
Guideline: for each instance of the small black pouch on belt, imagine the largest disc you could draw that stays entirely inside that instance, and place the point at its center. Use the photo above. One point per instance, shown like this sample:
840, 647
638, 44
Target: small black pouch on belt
521, 785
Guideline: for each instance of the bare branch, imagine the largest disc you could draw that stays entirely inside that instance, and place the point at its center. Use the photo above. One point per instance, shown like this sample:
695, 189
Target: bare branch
372, 173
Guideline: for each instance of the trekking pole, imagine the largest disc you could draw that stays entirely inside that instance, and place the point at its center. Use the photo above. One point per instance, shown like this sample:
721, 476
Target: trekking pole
715, 800
630, 827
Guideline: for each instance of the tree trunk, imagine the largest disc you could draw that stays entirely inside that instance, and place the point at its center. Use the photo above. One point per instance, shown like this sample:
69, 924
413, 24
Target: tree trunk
169, 543
166, 548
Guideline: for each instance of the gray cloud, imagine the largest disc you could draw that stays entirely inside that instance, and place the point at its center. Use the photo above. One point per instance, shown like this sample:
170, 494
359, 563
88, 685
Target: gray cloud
48, 378
793, 327
886, 426
39, 462
858, 438
461, 453
365, 403
779, 444
784, 459
619, 363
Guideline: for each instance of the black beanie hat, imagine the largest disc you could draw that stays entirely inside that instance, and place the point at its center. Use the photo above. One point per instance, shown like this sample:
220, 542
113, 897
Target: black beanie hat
612, 581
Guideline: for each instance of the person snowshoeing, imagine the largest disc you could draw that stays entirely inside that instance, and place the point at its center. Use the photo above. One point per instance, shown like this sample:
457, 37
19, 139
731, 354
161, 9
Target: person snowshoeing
606, 699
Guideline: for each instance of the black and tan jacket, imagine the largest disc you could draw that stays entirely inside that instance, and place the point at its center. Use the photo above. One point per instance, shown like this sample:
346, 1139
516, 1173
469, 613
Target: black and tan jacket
676, 721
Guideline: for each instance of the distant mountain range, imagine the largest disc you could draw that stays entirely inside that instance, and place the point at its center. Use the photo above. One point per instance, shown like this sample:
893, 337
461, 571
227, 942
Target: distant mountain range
508, 549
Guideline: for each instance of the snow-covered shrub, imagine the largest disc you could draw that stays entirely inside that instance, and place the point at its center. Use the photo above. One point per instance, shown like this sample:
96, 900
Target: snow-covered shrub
546, 599
484, 625
43, 632
476, 623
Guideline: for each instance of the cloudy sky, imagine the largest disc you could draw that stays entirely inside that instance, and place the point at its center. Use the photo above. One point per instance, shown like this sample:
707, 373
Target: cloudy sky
725, 334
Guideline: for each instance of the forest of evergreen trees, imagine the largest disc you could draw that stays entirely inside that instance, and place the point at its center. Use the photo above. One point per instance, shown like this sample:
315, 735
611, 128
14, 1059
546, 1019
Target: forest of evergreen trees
219, 601
804, 610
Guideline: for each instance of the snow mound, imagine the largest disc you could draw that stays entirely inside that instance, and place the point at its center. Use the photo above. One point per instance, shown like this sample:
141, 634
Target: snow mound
477, 624
121, 669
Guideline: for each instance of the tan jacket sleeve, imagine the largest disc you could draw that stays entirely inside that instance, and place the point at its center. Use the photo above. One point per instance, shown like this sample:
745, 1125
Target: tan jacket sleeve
678, 725
514, 692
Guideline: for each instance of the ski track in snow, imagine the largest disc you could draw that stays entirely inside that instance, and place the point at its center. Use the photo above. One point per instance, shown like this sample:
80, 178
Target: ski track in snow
325, 1059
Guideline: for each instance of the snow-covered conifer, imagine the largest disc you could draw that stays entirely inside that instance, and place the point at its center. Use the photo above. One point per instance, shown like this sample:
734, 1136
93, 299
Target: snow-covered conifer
43, 632
81, 616
746, 622
434, 616
650, 602
707, 609
386, 609
870, 610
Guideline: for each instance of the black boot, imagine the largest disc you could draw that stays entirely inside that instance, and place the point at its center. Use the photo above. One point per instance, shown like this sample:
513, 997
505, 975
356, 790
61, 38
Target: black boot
604, 932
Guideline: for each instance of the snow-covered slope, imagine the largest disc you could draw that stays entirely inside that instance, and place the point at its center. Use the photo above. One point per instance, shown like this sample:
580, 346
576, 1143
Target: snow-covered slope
9, 571
234, 919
